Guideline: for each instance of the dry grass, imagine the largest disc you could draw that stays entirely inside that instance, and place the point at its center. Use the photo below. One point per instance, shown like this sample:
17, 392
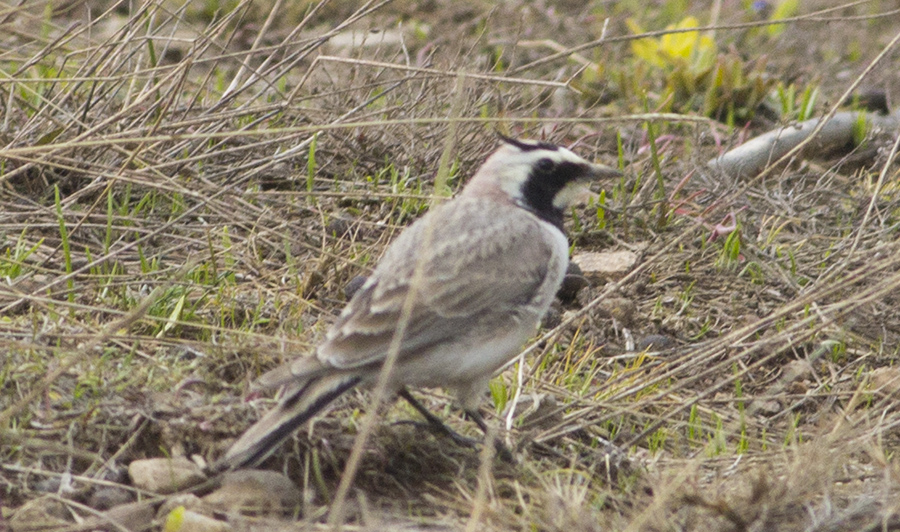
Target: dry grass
183, 203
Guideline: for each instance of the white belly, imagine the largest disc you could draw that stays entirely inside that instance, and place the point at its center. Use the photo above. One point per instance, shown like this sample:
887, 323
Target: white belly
457, 363
467, 365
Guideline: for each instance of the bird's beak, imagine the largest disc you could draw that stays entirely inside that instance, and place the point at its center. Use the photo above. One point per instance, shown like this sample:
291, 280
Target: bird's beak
597, 172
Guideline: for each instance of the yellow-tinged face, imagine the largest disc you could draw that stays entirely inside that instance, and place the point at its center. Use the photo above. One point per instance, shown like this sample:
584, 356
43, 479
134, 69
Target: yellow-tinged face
540, 177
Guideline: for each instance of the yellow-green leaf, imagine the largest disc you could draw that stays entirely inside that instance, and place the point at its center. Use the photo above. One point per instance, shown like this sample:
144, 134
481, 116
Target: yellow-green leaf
175, 520
173, 317
785, 9
680, 44
646, 49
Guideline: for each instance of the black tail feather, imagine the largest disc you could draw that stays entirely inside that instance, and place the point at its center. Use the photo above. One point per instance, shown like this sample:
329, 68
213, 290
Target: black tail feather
295, 409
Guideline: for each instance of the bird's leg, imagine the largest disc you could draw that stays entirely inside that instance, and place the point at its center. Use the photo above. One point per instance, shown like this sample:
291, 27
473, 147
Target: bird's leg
476, 417
435, 423
502, 451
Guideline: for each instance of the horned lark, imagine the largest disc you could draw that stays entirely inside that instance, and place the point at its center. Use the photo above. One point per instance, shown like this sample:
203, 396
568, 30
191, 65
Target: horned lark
466, 285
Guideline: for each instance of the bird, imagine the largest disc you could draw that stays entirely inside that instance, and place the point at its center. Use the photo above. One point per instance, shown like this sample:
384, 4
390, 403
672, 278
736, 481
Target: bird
466, 285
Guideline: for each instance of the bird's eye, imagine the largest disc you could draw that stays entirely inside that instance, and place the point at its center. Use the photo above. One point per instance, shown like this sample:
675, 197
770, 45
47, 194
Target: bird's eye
545, 165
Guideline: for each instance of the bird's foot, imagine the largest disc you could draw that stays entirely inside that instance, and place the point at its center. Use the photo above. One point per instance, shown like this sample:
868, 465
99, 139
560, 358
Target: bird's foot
503, 452
442, 430
436, 426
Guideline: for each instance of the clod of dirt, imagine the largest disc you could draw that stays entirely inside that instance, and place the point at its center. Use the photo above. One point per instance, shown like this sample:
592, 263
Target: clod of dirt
164, 475
338, 227
573, 282
620, 309
255, 492
354, 285
873, 100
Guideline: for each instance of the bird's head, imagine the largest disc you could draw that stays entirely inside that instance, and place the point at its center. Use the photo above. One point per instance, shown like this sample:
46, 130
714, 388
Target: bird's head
538, 176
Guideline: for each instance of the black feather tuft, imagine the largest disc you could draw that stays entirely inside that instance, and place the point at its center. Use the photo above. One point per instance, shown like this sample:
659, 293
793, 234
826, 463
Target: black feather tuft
528, 145
546, 180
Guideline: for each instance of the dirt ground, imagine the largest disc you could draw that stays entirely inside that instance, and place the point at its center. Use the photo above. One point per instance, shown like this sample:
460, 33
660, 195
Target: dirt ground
188, 189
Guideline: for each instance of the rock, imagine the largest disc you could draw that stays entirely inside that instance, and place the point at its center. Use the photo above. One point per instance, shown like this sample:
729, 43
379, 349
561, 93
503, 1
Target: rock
39, 514
164, 475
255, 492
134, 517
106, 498
885, 381
600, 267
767, 408
654, 342
183, 520
794, 372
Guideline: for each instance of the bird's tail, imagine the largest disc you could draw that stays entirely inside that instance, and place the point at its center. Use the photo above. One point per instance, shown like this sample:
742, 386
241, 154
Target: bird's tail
298, 405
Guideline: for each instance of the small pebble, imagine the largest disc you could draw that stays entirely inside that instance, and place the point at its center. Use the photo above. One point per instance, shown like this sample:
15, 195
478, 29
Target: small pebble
338, 227
106, 498
164, 475
354, 285
654, 342
255, 492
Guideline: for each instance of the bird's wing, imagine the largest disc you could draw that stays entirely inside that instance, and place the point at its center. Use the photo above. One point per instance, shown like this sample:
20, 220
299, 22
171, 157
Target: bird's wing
478, 259
300, 369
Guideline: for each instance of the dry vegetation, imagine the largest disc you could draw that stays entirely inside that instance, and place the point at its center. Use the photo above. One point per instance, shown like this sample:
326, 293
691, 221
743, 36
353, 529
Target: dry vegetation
188, 188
